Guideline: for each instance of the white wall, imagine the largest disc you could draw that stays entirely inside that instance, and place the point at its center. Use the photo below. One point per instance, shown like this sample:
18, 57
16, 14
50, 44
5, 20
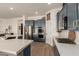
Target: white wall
3, 25
51, 26
13, 22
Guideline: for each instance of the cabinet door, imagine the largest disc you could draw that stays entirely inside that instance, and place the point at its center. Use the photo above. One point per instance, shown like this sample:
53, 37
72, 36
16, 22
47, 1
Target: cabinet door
40, 23
60, 17
78, 10
58, 21
61, 25
65, 10
71, 13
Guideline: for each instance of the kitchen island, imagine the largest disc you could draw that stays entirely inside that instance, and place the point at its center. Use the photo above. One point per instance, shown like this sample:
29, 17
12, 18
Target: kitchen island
64, 49
14, 47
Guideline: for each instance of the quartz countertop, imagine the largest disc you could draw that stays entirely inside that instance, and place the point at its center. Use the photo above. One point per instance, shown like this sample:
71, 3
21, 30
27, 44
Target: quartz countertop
14, 46
65, 49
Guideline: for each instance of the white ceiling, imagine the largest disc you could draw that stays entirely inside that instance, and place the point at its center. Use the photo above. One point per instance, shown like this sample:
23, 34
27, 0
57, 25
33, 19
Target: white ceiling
27, 9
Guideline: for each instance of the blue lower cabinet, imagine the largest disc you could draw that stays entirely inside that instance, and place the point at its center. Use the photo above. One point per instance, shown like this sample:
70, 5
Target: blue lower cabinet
26, 51
56, 53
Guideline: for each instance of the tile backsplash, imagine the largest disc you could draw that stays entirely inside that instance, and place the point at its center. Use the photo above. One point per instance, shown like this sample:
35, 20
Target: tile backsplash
63, 34
77, 37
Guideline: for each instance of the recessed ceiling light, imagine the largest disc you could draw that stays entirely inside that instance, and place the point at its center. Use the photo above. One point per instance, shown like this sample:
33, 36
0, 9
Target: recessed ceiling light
49, 3
36, 12
11, 8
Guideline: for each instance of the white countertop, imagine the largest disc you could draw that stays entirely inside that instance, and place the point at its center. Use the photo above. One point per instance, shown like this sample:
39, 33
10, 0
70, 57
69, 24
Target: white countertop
67, 49
14, 46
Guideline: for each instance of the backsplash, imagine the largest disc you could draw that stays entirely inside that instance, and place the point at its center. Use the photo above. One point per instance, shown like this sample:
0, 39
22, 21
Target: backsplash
77, 37
63, 34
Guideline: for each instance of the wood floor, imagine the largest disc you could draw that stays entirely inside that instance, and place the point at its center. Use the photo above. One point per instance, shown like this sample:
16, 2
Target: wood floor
41, 49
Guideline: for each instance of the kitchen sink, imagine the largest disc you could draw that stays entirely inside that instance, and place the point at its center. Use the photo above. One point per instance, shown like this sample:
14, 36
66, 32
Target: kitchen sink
65, 40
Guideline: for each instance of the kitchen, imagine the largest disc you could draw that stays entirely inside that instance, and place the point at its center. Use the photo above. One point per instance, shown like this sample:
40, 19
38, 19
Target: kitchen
41, 27
22, 29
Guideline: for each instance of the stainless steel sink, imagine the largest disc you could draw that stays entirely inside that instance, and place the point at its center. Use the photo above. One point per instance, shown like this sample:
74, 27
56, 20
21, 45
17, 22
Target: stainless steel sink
65, 40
